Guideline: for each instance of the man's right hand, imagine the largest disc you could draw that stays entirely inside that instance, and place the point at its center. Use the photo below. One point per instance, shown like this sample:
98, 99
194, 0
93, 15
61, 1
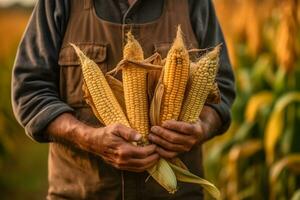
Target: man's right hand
113, 143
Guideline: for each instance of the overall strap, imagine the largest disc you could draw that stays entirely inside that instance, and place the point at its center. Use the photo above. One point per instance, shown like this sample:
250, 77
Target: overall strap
172, 19
88, 4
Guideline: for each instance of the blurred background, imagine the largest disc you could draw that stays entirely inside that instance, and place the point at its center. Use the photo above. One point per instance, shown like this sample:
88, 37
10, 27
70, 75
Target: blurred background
258, 158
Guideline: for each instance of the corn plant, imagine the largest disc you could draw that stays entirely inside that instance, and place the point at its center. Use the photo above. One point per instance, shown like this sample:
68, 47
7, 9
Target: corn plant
258, 158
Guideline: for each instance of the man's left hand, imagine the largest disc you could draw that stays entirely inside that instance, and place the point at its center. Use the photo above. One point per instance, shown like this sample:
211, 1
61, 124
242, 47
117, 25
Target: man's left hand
175, 137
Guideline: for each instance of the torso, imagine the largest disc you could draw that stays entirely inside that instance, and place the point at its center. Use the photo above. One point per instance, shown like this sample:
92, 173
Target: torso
80, 175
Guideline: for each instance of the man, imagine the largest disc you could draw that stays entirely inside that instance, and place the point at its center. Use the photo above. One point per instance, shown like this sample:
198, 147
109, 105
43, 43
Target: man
86, 159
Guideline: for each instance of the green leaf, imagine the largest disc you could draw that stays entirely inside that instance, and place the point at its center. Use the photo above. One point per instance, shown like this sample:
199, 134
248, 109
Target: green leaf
275, 125
291, 162
257, 102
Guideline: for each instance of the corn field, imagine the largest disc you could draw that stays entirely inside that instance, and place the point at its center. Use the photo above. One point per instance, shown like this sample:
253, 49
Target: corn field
259, 157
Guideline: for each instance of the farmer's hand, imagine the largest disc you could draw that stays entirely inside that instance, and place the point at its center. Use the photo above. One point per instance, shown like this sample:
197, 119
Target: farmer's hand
175, 137
113, 144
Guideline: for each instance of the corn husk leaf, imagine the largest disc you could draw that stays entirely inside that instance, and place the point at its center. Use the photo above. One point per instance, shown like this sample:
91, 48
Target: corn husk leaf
257, 102
117, 88
188, 177
156, 102
153, 77
214, 96
179, 163
141, 64
89, 100
164, 175
275, 125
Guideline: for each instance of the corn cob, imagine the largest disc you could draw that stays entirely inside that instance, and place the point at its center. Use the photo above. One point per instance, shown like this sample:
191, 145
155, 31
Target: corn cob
105, 103
136, 100
200, 84
175, 77
135, 88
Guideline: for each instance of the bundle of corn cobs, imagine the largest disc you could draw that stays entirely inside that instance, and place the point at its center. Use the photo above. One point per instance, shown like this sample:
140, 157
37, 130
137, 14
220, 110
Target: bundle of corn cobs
180, 94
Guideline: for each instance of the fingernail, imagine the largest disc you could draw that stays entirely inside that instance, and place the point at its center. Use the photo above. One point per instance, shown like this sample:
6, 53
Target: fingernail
164, 124
137, 137
154, 129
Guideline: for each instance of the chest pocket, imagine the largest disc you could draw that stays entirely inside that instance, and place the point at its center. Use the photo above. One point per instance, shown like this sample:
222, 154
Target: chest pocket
71, 79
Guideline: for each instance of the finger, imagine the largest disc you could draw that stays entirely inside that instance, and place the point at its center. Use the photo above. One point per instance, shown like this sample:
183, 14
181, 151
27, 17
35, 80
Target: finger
179, 126
169, 135
166, 154
166, 144
145, 162
127, 133
111, 152
137, 163
141, 152
108, 160
133, 169
148, 165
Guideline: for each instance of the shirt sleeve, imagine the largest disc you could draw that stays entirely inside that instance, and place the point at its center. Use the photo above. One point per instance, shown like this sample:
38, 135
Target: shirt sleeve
35, 76
209, 34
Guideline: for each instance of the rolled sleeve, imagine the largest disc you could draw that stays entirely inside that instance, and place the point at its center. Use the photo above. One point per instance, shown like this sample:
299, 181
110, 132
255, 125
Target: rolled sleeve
209, 34
36, 126
35, 76
225, 116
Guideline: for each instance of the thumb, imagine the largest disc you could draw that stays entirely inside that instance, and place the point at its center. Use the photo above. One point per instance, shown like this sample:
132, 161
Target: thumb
129, 134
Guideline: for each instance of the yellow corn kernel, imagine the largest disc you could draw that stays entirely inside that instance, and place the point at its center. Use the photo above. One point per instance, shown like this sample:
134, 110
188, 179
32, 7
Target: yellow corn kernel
135, 88
200, 84
175, 77
105, 103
